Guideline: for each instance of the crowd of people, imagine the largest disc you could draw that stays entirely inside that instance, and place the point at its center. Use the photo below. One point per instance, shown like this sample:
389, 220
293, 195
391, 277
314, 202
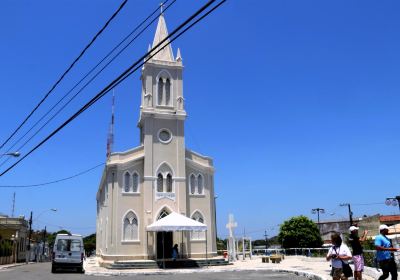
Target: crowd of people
339, 255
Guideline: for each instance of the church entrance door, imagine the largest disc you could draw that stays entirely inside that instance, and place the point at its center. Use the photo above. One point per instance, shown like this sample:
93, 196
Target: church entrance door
168, 240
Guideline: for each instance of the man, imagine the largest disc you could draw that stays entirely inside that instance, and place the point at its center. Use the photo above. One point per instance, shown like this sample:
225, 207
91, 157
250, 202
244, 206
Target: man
358, 257
385, 258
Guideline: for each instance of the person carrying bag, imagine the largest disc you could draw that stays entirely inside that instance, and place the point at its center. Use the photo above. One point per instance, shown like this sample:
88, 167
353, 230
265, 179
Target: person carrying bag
339, 254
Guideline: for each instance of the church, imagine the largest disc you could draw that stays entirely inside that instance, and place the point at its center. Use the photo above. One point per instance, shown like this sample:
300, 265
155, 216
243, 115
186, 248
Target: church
159, 177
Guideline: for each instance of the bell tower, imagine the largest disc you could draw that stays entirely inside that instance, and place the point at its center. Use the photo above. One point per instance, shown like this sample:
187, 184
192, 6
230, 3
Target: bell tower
161, 124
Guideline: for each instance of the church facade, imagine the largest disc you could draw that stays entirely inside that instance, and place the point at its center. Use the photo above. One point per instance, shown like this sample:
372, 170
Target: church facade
160, 176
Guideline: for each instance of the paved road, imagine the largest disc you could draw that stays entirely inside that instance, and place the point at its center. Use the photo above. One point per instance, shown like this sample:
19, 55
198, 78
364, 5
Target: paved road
41, 271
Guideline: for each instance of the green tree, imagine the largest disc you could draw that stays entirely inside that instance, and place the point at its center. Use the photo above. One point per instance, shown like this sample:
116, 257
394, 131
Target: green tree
221, 244
89, 242
299, 232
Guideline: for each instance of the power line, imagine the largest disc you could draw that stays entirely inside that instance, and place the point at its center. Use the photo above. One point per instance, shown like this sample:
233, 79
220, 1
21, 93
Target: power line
55, 181
65, 73
129, 71
87, 83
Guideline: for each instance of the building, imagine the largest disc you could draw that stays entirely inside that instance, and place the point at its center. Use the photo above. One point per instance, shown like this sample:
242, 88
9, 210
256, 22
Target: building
15, 232
160, 176
370, 223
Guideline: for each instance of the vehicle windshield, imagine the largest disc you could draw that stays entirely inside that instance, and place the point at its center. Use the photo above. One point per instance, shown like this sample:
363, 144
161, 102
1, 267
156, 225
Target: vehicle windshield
69, 245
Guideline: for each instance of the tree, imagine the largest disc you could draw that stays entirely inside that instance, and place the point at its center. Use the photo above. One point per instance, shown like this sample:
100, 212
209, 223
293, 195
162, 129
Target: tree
299, 232
221, 244
89, 242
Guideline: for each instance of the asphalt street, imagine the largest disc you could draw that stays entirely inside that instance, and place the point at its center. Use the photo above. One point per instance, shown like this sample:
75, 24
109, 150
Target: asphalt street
41, 271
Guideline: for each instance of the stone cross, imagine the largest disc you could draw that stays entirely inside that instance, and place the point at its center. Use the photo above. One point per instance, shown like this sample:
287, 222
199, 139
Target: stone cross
231, 225
231, 240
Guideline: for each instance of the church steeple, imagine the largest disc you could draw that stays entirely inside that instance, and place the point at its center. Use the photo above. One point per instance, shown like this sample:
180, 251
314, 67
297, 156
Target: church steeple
161, 33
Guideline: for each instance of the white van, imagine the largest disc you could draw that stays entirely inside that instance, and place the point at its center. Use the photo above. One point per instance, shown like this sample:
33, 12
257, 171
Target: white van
68, 252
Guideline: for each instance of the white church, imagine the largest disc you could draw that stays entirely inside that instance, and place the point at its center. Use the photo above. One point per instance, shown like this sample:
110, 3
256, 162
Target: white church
141, 186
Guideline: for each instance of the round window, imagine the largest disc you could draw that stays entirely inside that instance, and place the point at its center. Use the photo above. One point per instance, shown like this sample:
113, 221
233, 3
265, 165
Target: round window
164, 136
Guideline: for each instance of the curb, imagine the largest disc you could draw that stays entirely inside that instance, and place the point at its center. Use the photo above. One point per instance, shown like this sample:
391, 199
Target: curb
306, 274
7, 266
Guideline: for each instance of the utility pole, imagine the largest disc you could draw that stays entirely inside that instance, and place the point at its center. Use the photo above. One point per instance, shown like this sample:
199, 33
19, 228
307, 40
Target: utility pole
350, 213
266, 241
29, 239
13, 206
318, 210
44, 241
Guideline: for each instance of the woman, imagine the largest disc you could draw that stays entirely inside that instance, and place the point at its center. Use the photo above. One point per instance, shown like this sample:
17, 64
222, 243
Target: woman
338, 254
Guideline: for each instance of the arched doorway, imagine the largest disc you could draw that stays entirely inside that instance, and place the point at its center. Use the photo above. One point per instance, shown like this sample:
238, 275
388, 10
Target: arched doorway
164, 240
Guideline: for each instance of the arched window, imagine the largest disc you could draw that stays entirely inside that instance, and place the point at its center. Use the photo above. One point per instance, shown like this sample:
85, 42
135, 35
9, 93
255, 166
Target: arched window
160, 91
192, 184
169, 183
198, 235
135, 182
130, 227
127, 182
162, 214
160, 181
200, 184
164, 178
167, 92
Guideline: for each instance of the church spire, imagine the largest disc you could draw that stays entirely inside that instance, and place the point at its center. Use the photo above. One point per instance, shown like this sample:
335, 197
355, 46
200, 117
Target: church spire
161, 33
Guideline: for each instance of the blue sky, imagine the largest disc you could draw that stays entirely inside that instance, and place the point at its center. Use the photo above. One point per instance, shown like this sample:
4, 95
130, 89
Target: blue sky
296, 101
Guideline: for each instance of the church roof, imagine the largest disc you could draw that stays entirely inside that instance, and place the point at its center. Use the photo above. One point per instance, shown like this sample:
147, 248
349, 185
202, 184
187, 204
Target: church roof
176, 222
161, 33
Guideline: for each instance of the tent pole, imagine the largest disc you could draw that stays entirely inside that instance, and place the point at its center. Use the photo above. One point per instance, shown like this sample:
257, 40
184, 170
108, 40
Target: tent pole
206, 250
182, 244
163, 255
147, 244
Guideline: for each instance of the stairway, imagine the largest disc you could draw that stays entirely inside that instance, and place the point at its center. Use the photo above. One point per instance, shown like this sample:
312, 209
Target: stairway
150, 264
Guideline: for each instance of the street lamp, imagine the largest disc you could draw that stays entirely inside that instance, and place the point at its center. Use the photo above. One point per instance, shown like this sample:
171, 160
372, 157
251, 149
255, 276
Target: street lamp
350, 213
13, 154
47, 210
317, 211
394, 201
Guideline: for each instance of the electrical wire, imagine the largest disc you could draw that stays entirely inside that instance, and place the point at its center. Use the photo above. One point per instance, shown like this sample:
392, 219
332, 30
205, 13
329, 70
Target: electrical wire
55, 181
65, 72
87, 74
129, 71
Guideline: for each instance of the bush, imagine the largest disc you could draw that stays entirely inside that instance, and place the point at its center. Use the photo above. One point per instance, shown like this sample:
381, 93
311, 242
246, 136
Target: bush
6, 248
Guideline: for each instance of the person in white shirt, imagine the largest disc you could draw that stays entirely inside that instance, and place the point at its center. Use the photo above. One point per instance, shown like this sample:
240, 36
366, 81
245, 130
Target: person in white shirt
338, 254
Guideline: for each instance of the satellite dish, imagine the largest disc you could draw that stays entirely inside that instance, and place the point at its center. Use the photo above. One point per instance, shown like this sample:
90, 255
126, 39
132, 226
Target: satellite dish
394, 202
388, 202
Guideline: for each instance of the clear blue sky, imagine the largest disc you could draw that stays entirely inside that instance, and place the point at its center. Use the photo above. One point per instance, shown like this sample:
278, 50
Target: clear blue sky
296, 101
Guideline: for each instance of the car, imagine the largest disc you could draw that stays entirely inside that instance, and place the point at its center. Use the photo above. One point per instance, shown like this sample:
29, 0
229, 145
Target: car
68, 252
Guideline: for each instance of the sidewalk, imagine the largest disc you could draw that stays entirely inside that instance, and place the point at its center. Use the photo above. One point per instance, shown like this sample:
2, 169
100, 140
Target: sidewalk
7, 266
313, 268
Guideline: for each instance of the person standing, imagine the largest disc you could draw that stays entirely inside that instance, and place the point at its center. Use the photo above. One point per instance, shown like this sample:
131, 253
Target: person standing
338, 254
175, 252
358, 254
384, 247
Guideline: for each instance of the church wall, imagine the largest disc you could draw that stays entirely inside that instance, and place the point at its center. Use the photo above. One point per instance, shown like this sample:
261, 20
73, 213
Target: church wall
129, 202
204, 204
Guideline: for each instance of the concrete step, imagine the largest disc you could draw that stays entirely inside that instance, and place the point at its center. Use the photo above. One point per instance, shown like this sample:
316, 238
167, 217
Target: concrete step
184, 263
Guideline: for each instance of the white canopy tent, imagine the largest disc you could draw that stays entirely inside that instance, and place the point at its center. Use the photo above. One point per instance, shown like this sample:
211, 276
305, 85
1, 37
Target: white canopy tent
177, 222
